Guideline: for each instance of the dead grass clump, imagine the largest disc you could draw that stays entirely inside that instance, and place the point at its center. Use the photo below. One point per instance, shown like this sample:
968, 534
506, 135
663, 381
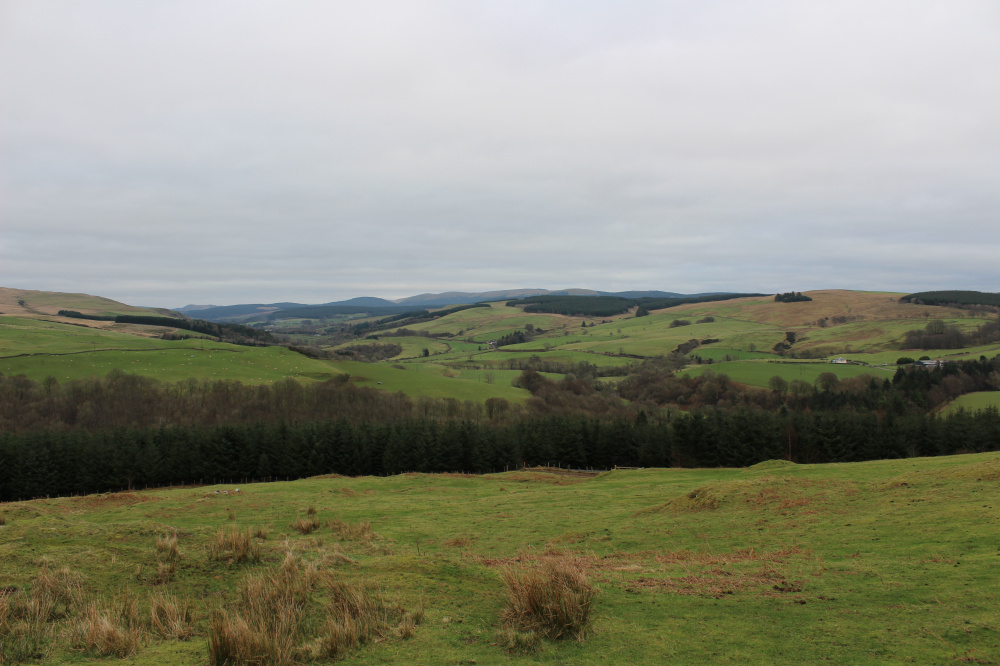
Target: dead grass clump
303, 526
518, 642
336, 555
166, 546
25, 616
24, 632
110, 629
259, 533
266, 625
165, 572
230, 514
3, 519
170, 617
358, 613
60, 589
553, 600
234, 545
360, 531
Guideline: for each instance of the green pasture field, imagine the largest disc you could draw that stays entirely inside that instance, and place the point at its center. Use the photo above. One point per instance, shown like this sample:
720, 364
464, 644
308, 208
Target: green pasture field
719, 353
974, 402
486, 323
427, 380
757, 373
886, 562
557, 354
31, 336
173, 361
413, 346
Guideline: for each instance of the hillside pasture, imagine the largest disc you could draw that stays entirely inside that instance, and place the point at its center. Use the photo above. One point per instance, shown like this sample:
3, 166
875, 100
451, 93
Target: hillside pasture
176, 361
428, 380
864, 563
27, 302
758, 373
973, 402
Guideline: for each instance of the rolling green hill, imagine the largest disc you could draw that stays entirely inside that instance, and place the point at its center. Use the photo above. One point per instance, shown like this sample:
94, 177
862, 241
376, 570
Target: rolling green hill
736, 336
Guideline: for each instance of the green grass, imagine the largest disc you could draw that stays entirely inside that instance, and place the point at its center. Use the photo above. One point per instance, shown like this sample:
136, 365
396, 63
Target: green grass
973, 402
757, 373
428, 380
867, 563
175, 361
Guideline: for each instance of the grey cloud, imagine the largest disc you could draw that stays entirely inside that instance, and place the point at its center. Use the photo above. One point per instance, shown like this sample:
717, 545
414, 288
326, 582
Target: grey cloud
168, 152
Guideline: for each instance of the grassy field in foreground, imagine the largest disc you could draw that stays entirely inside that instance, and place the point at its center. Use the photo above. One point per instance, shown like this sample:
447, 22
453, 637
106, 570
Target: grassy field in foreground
866, 563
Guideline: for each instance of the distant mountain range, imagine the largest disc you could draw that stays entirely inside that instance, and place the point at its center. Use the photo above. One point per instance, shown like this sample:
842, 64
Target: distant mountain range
420, 301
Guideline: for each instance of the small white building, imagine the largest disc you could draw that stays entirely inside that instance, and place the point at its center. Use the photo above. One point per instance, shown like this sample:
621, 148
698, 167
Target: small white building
839, 359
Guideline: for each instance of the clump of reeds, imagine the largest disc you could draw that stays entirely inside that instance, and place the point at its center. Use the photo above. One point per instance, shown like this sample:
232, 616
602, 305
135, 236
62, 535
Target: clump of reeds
230, 514
360, 531
553, 600
112, 629
303, 526
170, 617
234, 545
3, 519
357, 613
25, 615
266, 624
515, 641
166, 547
165, 572
308, 524
259, 533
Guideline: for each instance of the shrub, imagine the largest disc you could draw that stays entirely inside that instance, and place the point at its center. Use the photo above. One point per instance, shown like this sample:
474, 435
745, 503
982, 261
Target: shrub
904, 360
553, 600
679, 322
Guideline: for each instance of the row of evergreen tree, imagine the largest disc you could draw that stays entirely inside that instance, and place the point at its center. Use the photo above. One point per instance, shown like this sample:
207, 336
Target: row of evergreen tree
59, 462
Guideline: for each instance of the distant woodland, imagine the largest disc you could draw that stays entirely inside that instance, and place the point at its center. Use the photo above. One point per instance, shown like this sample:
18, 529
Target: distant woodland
130, 431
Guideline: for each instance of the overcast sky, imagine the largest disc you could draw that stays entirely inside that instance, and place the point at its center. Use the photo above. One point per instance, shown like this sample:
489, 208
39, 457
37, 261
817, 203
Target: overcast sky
173, 152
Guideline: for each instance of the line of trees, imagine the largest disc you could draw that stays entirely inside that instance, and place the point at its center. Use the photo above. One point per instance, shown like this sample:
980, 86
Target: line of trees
608, 306
53, 462
953, 298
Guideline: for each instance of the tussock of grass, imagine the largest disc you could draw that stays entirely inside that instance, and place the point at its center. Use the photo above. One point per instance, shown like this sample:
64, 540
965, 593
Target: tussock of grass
360, 531
25, 617
356, 615
305, 525
518, 642
169, 617
553, 600
110, 629
266, 624
167, 547
164, 572
234, 545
